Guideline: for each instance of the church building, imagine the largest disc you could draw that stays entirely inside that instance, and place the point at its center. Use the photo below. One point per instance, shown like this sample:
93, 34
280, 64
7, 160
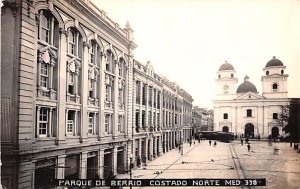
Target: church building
240, 109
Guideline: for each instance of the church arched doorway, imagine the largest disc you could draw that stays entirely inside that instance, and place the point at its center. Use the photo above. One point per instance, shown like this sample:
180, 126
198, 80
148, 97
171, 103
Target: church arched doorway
249, 130
225, 129
275, 132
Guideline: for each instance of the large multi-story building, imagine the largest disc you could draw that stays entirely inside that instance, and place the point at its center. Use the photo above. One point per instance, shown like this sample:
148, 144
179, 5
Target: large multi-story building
242, 110
71, 104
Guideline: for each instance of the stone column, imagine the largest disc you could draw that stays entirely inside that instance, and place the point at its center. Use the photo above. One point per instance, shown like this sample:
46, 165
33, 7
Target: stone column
61, 89
101, 163
83, 165
115, 160
84, 91
60, 171
151, 148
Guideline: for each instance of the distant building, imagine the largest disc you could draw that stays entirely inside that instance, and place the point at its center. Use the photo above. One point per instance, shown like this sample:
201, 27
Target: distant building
242, 110
202, 119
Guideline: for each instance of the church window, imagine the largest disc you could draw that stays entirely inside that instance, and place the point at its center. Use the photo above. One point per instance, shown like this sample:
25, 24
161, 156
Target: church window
275, 115
225, 116
232, 75
282, 72
219, 76
249, 113
267, 72
275, 86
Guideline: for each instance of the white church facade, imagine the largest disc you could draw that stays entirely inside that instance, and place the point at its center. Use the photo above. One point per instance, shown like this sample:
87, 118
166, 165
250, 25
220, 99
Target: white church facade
240, 109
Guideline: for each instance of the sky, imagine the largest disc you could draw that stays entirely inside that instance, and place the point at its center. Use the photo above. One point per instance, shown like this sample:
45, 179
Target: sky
188, 40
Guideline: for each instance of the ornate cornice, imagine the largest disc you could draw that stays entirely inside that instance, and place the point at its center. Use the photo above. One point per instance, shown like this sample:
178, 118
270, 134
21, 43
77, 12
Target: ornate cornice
12, 5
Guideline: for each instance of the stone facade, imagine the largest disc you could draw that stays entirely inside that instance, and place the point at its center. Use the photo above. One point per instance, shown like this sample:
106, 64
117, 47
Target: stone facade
68, 98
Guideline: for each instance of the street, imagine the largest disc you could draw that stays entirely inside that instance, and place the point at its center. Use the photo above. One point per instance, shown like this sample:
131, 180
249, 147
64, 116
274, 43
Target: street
227, 160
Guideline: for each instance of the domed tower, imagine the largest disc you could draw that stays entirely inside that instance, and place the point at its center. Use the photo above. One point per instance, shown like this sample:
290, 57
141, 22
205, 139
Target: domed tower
274, 80
226, 82
246, 86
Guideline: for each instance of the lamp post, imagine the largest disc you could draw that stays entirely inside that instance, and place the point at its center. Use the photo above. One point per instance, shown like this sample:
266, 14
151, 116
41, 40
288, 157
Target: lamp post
130, 167
181, 146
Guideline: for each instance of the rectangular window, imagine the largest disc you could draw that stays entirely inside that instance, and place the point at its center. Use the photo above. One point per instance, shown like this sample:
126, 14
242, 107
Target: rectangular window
92, 54
43, 122
91, 88
44, 75
137, 118
91, 124
225, 116
275, 115
70, 123
143, 118
249, 113
108, 123
71, 83
120, 124
137, 92
107, 93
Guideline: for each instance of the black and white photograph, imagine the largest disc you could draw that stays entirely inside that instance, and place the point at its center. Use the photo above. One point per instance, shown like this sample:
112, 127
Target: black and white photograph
132, 94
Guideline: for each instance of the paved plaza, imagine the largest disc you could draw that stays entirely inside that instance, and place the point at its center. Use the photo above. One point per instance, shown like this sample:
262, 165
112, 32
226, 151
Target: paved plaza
227, 160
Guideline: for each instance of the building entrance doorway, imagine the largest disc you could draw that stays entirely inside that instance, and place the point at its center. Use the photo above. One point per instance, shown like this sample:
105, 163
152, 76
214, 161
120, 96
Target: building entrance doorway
225, 129
275, 132
249, 130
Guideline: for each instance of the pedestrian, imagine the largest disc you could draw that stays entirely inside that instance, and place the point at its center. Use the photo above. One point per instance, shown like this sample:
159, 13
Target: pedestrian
215, 143
249, 147
258, 137
210, 142
198, 140
242, 141
190, 142
194, 142
138, 161
179, 148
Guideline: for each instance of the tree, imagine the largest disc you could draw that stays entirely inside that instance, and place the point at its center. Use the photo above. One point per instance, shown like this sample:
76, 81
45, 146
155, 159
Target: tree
289, 119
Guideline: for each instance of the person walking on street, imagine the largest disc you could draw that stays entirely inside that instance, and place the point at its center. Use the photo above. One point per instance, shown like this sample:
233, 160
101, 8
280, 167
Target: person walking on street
210, 142
190, 142
249, 147
242, 141
215, 143
194, 142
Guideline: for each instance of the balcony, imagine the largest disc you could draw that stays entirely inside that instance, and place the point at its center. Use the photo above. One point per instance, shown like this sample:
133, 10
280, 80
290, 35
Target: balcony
73, 98
93, 101
45, 93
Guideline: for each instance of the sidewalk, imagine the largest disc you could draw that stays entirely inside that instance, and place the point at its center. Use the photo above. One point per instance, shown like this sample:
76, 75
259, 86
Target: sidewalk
158, 165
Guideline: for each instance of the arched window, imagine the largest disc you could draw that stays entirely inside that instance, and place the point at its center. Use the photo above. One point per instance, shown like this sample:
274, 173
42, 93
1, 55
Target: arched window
110, 60
48, 28
282, 72
267, 72
74, 42
232, 75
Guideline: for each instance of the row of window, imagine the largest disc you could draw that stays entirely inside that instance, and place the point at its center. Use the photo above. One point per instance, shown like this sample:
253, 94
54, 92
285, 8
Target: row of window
48, 36
153, 95
249, 114
45, 123
152, 119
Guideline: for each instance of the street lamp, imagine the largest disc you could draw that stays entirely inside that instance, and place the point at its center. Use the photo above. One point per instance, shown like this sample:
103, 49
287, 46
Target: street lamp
130, 167
181, 146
